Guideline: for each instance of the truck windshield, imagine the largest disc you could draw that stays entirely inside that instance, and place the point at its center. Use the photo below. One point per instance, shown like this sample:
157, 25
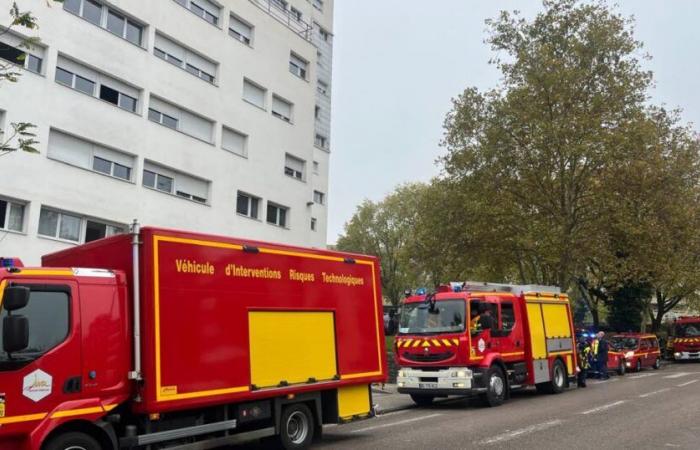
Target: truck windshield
446, 317
47, 313
621, 342
688, 330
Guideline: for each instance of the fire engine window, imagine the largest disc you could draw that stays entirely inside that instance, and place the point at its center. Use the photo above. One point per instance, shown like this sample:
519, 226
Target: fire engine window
48, 316
507, 316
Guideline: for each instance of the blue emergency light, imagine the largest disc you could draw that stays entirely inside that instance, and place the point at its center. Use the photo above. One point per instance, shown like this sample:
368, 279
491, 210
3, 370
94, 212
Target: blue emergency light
420, 291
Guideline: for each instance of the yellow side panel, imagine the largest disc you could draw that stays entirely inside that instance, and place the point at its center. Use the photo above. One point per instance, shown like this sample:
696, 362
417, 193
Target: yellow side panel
556, 321
569, 364
353, 401
534, 315
291, 346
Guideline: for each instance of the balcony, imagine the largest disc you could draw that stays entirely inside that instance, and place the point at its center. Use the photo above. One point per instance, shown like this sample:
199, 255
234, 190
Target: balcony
278, 10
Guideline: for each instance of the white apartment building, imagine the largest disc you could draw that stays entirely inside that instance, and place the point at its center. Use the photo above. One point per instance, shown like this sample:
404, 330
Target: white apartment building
206, 115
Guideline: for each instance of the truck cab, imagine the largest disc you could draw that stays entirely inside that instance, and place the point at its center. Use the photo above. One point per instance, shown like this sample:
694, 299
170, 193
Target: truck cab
54, 327
685, 340
484, 339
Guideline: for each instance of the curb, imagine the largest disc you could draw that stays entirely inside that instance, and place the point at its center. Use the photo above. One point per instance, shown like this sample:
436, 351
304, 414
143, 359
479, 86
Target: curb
413, 405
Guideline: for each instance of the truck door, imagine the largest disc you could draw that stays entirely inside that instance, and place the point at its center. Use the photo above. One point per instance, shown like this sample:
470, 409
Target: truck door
510, 333
46, 373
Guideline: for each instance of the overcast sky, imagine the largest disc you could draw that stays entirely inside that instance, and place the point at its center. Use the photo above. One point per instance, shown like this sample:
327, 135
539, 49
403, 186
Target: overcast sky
398, 63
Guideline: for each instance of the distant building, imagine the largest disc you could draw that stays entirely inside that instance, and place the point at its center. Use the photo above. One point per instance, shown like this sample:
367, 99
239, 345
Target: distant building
203, 115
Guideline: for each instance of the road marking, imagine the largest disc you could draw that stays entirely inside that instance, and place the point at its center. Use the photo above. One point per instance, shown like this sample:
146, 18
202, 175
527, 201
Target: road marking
604, 407
687, 383
642, 375
392, 413
649, 394
610, 380
401, 422
678, 375
517, 433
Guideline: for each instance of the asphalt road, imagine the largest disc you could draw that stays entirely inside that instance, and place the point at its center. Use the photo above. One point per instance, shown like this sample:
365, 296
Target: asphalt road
649, 410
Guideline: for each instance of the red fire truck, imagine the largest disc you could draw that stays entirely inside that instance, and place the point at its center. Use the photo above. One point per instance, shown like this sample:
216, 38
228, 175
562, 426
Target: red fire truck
684, 343
487, 339
168, 339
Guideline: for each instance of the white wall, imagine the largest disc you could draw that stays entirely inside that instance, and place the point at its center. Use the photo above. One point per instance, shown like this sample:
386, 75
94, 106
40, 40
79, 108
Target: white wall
38, 99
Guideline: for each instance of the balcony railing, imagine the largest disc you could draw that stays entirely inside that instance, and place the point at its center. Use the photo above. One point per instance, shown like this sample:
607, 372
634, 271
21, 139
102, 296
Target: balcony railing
281, 14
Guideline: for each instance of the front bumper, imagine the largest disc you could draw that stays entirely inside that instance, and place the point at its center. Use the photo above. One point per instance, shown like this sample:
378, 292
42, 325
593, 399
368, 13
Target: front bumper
685, 356
438, 382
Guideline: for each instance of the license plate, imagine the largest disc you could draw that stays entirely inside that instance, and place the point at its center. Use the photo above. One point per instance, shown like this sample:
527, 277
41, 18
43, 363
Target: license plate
428, 385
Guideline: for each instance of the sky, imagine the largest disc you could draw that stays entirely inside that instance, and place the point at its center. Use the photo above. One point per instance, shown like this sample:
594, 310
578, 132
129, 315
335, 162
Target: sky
398, 63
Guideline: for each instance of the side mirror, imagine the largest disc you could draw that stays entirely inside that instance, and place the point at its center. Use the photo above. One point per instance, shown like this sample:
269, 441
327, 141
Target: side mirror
15, 333
15, 297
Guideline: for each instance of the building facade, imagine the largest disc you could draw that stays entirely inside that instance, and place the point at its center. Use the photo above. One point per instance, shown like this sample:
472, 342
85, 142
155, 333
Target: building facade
202, 115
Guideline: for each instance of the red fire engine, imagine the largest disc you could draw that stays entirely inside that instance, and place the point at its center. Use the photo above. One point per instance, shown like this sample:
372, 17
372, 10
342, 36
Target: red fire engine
486, 339
179, 340
684, 343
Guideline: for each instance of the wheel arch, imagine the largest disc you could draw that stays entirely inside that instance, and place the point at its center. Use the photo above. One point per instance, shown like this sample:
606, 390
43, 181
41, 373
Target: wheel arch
102, 431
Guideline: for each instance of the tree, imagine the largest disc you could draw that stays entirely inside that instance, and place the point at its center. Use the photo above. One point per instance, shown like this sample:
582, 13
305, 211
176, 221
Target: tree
22, 136
385, 229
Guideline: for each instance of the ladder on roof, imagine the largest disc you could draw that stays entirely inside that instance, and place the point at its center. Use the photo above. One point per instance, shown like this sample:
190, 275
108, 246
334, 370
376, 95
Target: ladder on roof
481, 286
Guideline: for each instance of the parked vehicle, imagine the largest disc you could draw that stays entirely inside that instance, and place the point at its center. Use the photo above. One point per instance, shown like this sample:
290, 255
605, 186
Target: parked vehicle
171, 338
684, 341
638, 351
486, 339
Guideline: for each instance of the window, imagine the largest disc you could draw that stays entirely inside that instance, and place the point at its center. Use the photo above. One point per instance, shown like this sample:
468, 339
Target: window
295, 13
323, 34
297, 66
48, 314
317, 112
11, 215
318, 4
294, 167
281, 109
174, 182
319, 197
171, 116
114, 22
241, 30
281, 4
247, 205
59, 225
203, 8
254, 94
277, 215
88, 155
184, 58
316, 165
88, 81
234, 141
321, 141
507, 317
322, 87
96, 230
313, 224
20, 57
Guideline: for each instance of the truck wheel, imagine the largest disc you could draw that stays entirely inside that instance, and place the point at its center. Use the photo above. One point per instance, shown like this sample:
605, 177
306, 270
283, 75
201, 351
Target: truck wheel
558, 382
422, 400
657, 364
73, 441
296, 427
638, 367
496, 387
621, 368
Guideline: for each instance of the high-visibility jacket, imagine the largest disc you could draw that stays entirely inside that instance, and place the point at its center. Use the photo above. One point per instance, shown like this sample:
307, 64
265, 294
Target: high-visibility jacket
594, 347
583, 357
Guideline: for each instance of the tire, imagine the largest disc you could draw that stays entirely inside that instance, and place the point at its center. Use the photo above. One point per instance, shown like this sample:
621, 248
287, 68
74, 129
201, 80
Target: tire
621, 368
296, 427
657, 364
496, 387
558, 382
638, 367
73, 441
422, 400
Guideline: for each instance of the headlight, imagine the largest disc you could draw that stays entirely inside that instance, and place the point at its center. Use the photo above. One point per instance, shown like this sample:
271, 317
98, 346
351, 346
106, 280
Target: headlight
677, 354
461, 374
401, 374
400, 384
629, 354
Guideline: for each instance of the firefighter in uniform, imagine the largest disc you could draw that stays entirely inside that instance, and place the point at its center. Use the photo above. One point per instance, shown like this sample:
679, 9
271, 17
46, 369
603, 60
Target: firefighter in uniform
600, 351
584, 354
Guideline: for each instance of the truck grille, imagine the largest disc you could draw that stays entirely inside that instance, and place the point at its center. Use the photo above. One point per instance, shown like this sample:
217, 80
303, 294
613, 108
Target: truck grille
429, 357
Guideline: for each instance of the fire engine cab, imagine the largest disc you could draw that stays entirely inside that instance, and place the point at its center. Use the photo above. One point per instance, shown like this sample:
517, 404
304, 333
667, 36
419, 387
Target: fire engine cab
685, 340
486, 339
